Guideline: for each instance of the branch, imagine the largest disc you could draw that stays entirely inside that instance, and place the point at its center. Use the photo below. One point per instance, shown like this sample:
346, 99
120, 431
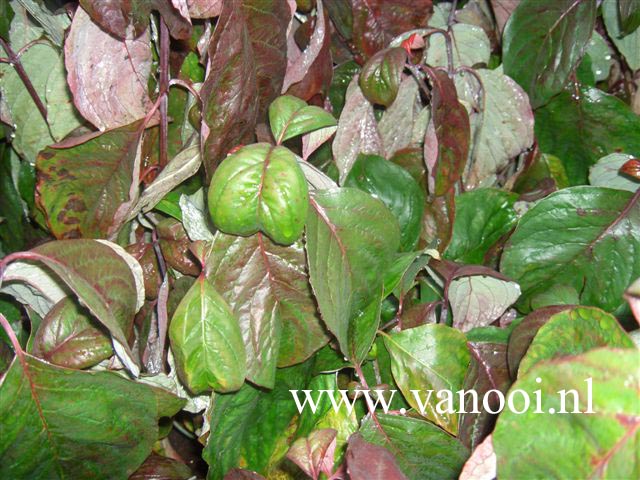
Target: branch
14, 61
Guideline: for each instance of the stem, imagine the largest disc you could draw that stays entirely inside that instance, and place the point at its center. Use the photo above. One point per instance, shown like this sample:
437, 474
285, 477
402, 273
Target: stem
452, 14
448, 44
164, 88
372, 412
12, 336
421, 83
15, 61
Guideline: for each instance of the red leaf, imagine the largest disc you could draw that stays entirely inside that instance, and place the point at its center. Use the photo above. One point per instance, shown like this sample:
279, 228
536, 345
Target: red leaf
376, 22
267, 22
631, 168
366, 461
115, 16
452, 129
310, 72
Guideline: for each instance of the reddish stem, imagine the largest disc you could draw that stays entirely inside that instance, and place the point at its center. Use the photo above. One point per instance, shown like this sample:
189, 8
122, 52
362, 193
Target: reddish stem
15, 61
164, 88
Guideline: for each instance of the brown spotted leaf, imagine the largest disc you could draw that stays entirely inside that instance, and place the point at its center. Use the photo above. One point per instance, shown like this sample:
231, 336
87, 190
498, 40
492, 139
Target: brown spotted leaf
107, 76
229, 92
86, 190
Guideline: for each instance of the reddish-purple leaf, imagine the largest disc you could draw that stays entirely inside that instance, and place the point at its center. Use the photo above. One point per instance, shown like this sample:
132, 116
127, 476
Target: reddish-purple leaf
267, 22
523, 334
115, 16
310, 72
69, 337
156, 467
502, 10
267, 287
366, 461
437, 223
452, 130
488, 371
315, 454
229, 92
107, 76
204, 8
377, 22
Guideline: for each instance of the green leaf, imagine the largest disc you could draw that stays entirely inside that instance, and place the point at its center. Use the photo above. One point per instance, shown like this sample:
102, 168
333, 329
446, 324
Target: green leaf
587, 238
68, 337
572, 332
422, 450
542, 171
60, 423
543, 43
381, 75
627, 42
206, 341
601, 57
501, 123
581, 128
260, 187
479, 300
629, 15
87, 190
247, 427
351, 238
395, 187
342, 76
606, 173
429, 357
6, 16
601, 444
289, 117
13, 223
268, 289
483, 217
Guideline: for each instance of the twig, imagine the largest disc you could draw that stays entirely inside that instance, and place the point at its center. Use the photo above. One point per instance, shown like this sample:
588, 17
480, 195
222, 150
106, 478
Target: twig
164, 89
14, 60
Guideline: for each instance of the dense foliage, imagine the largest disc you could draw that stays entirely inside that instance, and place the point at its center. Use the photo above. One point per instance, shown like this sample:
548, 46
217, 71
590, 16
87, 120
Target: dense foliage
205, 204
